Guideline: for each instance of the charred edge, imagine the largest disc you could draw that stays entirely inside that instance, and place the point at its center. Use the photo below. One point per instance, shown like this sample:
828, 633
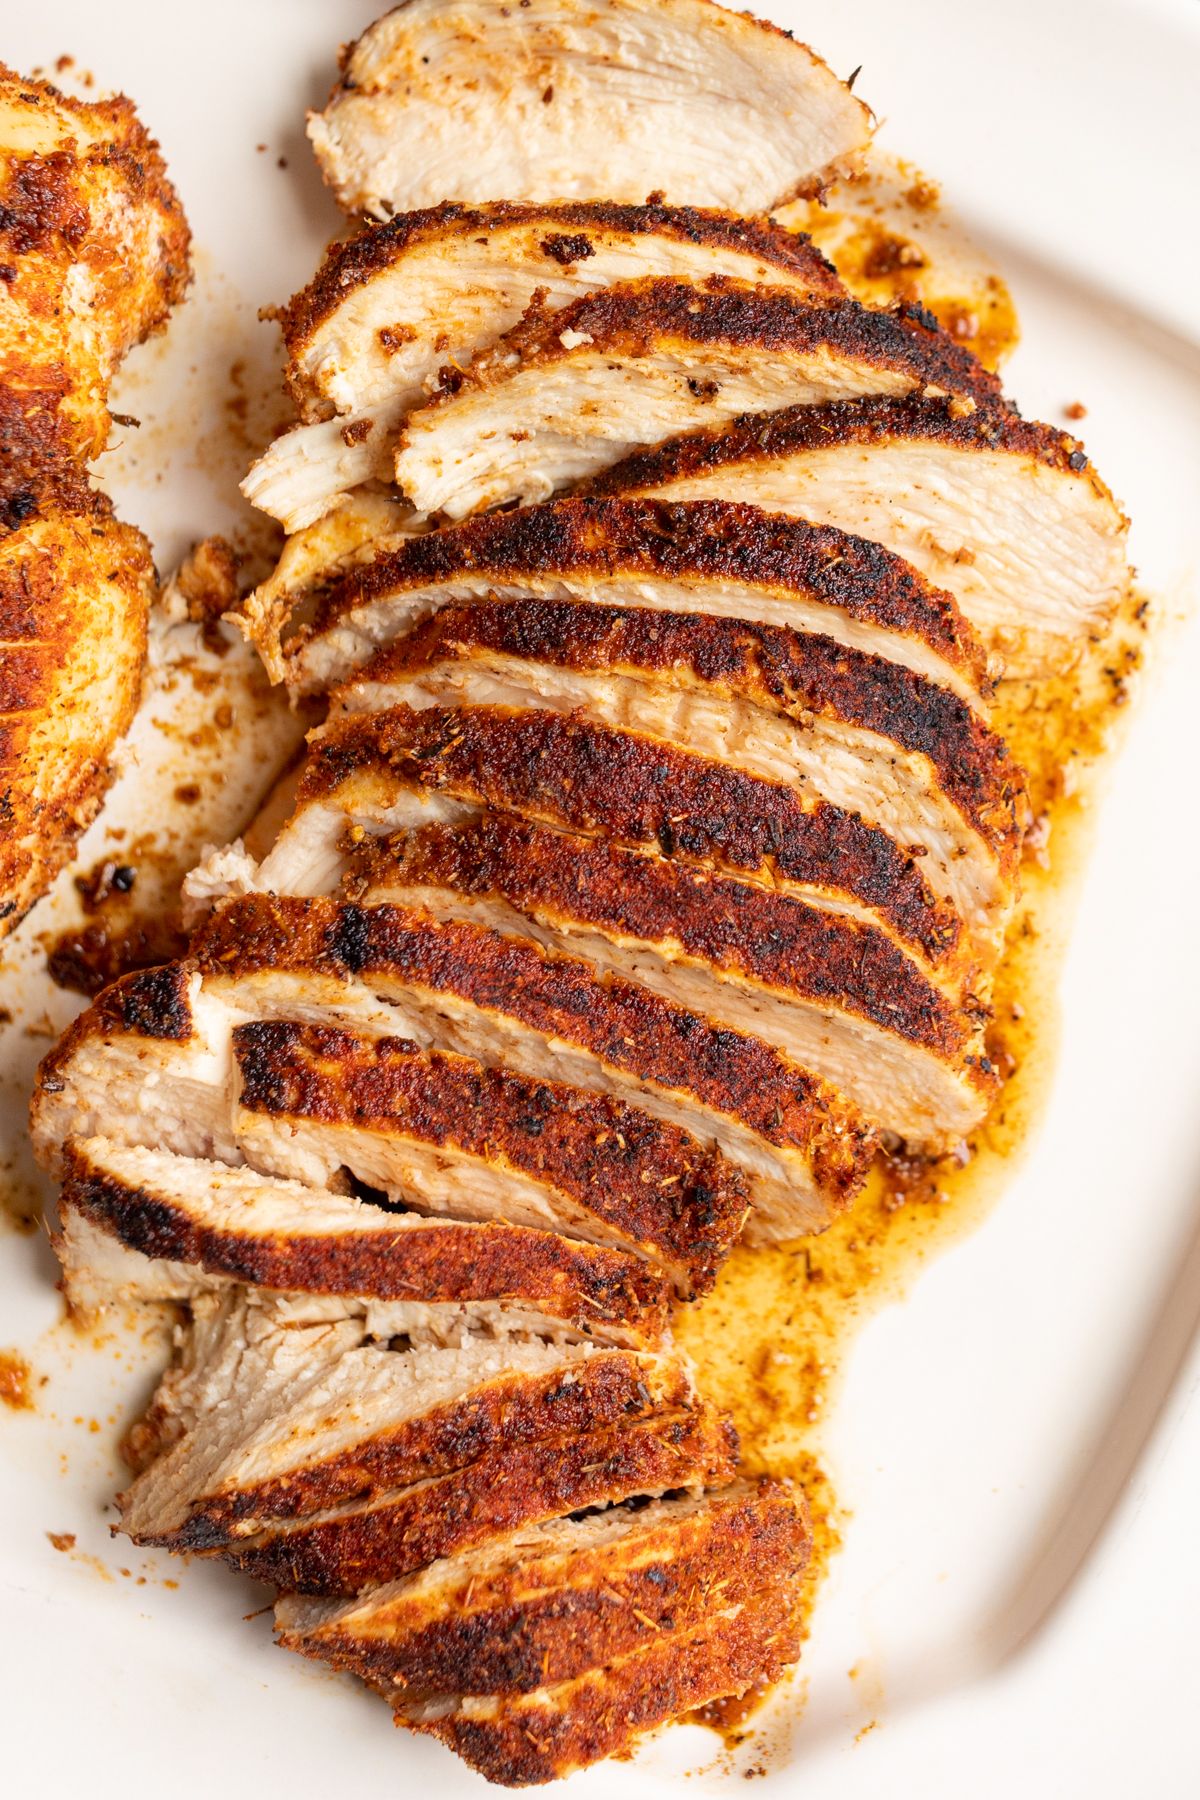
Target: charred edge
793, 672
508, 1415
691, 541
352, 265
450, 1262
648, 1179
762, 939
622, 1024
581, 1617
587, 777
503, 1489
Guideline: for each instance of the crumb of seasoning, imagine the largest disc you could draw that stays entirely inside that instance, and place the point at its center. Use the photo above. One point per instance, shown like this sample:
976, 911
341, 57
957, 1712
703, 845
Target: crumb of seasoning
1076, 410
871, 1725
260, 148
281, 162
62, 1540
15, 1378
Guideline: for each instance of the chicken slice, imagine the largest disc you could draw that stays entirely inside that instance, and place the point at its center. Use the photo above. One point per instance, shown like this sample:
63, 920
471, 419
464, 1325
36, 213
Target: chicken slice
1007, 515
718, 559
147, 1225
397, 971
444, 1135
541, 1736
432, 1131
75, 590
558, 99
429, 290
275, 1421
566, 394
554, 1600
392, 1533
377, 773
95, 252
835, 996
856, 731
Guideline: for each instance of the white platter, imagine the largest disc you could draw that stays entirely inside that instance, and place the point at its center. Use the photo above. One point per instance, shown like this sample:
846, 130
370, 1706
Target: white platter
1017, 1592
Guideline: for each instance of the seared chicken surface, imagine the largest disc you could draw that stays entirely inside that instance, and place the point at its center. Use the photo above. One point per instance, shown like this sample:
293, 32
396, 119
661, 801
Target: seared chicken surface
581, 99
566, 394
431, 289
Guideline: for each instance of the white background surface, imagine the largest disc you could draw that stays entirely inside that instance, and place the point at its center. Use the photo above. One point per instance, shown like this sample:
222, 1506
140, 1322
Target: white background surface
1018, 1590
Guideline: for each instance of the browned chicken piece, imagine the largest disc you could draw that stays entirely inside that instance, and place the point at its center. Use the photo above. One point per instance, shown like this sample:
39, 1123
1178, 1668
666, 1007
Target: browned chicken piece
835, 996
524, 1739
75, 588
276, 1428
1007, 515
558, 99
726, 561
857, 731
370, 774
143, 1224
552, 1601
94, 248
390, 308
151, 1065
390, 1533
567, 394
395, 970
447, 1136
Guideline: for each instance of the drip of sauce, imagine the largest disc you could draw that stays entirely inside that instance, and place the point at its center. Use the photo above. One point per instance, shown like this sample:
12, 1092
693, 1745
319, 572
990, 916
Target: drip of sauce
771, 1341
16, 1379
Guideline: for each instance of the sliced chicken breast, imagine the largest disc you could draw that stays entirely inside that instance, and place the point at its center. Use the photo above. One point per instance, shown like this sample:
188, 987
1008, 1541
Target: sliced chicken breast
567, 394
278, 1421
159, 1057
388, 309
396, 971
389, 1534
147, 1225
444, 1135
727, 561
833, 995
856, 731
530, 1738
377, 773
561, 100
1009, 516
552, 1601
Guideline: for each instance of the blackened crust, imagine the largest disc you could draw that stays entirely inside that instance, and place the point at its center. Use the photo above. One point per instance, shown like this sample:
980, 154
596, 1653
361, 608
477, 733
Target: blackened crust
635, 318
767, 941
355, 263
577, 774
690, 541
509, 1486
434, 1261
624, 1025
793, 672
649, 1180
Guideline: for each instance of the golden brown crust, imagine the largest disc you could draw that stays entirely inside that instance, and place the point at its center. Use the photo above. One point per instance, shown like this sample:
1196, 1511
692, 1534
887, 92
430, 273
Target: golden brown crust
689, 541
796, 673
595, 1393
626, 1026
673, 1198
866, 423
588, 1285
75, 589
630, 318
515, 1629
579, 775
542, 1736
766, 941
513, 1484
358, 261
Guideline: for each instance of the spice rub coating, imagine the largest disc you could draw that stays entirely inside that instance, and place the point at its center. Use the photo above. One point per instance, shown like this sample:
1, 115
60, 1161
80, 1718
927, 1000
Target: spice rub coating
671, 1198
580, 775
